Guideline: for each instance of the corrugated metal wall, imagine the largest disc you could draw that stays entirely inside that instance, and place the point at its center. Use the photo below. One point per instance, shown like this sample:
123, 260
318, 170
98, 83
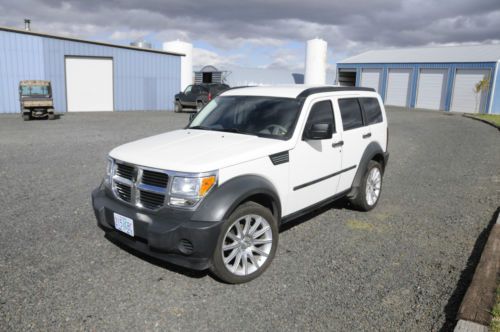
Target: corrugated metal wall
142, 80
415, 67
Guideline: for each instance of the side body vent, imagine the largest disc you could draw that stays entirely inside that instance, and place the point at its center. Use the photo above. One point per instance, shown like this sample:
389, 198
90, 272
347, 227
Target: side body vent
280, 158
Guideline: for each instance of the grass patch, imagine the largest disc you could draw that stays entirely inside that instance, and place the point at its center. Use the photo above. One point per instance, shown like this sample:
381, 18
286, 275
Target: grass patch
359, 225
495, 322
494, 118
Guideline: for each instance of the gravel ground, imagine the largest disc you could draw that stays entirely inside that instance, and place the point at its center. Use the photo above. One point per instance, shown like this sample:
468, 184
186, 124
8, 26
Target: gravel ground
403, 266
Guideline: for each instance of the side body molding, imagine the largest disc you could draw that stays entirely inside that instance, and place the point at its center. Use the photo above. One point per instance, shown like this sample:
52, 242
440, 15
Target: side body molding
221, 202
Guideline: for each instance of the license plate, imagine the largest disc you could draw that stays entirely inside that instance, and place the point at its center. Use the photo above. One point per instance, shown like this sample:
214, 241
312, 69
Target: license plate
124, 224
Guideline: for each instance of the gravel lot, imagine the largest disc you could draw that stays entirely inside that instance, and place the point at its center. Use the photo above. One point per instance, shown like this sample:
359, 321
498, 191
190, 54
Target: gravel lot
403, 266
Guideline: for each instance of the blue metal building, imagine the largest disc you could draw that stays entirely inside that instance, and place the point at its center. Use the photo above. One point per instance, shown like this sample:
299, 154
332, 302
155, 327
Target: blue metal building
139, 79
438, 78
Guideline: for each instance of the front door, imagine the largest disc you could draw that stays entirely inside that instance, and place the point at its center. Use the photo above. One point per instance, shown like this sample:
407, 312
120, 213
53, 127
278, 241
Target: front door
314, 163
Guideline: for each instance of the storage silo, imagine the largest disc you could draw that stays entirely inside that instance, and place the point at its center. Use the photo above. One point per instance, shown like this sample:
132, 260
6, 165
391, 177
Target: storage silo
315, 71
178, 46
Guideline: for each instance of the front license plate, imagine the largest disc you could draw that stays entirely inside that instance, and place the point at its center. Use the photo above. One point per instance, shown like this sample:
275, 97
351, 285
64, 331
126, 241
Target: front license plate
124, 224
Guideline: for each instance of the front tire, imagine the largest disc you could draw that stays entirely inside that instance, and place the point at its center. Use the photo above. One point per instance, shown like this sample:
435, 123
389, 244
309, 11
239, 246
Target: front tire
199, 106
51, 114
178, 107
370, 188
247, 244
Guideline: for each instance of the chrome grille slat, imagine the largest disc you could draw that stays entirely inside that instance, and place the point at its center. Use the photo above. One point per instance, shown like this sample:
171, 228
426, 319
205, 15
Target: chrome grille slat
139, 186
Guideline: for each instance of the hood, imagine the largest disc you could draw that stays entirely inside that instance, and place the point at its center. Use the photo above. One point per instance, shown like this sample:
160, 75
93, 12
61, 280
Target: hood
192, 150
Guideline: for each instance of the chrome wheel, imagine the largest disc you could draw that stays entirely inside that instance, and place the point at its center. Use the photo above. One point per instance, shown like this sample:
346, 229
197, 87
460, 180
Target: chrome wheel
247, 245
373, 185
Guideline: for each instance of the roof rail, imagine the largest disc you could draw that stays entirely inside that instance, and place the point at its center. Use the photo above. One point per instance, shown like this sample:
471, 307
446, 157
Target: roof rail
307, 92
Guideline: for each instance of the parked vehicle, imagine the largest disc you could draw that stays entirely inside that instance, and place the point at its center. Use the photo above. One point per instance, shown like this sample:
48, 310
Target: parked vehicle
195, 96
213, 195
35, 99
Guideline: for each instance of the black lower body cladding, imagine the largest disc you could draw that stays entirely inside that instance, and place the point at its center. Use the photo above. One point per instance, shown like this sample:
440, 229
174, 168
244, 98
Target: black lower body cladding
168, 234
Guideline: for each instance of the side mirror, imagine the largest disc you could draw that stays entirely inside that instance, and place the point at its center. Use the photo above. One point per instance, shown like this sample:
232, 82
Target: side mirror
318, 131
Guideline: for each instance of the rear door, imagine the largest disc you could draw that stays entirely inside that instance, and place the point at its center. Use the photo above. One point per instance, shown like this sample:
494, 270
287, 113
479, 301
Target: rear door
355, 137
314, 163
374, 118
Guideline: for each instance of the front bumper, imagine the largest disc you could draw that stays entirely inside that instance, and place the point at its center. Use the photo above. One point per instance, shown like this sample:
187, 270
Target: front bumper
167, 234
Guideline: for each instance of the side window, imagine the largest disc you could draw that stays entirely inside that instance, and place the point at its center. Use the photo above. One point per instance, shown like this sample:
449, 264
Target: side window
350, 110
371, 107
188, 89
321, 112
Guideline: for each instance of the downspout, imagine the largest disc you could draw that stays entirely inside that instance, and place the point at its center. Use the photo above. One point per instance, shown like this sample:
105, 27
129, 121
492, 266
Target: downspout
493, 87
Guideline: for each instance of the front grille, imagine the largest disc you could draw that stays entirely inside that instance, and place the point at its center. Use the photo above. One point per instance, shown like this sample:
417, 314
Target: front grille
123, 191
156, 179
125, 171
151, 200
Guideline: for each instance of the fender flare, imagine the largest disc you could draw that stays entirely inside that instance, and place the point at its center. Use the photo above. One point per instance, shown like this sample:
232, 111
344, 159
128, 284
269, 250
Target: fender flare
371, 151
220, 203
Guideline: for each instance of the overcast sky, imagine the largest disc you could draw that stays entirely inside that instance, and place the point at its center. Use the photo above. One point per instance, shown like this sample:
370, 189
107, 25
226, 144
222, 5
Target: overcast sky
264, 33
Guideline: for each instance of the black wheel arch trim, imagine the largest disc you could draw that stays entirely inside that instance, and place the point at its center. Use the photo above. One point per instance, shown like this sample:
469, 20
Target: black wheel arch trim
373, 149
221, 202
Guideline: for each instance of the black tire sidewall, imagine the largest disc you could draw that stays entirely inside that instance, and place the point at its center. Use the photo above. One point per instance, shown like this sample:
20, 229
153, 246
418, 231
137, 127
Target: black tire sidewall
218, 266
178, 107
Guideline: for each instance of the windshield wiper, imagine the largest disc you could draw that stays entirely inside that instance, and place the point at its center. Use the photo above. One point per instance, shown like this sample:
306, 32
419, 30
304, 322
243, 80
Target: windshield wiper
200, 127
236, 130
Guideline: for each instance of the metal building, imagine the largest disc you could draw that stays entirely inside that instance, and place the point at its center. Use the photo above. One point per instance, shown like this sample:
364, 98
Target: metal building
449, 78
87, 75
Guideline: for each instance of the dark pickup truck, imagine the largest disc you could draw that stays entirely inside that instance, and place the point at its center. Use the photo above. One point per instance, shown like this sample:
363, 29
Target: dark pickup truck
196, 96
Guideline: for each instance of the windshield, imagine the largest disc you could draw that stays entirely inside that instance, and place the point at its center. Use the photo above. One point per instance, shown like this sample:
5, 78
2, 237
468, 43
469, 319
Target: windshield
40, 90
252, 115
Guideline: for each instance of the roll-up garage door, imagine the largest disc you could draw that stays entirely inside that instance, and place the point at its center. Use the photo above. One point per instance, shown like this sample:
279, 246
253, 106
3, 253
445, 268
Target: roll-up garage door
370, 78
398, 84
89, 84
465, 99
431, 86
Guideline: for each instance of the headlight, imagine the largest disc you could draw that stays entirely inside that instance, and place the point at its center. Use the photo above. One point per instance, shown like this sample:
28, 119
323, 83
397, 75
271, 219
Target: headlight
187, 191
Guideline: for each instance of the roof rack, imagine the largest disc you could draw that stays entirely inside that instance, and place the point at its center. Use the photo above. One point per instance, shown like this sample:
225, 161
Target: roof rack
310, 91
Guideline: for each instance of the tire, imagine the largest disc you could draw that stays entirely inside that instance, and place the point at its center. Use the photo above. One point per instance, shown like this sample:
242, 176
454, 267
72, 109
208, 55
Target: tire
365, 201
243, 259
51, 114
26, 117
178, 107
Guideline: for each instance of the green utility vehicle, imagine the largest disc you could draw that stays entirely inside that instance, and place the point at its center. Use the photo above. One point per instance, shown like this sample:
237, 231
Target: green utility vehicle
35, 98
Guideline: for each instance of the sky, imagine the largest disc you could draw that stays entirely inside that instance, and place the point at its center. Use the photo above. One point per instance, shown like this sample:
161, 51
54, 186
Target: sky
264, 33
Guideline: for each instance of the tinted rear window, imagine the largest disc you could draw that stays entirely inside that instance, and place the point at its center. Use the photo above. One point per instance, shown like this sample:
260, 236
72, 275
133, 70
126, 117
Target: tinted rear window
373, 113
350, 111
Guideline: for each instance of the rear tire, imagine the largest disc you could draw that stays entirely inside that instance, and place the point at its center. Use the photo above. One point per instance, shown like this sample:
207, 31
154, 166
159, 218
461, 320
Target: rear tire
246, 245
177, 107
370, 188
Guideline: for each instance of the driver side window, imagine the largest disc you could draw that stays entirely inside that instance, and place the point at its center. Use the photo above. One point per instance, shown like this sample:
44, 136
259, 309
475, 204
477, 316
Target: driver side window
321, 112
188, 89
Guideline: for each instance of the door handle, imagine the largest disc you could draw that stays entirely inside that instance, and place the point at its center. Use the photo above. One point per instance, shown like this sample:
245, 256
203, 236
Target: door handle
367, 135
337, 144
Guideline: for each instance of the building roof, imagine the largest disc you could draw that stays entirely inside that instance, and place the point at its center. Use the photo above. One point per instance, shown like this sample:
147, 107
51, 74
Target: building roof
46, 35
289, 90
438, 54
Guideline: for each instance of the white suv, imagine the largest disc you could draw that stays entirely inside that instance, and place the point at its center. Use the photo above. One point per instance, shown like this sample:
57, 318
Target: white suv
214, 194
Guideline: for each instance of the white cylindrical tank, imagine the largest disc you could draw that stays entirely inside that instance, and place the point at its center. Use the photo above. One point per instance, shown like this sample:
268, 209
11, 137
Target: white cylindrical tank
315, 72
178, 46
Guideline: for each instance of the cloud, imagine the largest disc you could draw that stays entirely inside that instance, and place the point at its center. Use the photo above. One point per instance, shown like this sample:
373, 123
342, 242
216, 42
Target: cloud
202, 57
230, 26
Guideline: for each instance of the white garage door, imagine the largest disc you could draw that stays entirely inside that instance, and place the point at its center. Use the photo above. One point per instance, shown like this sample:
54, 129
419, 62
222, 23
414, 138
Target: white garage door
370, 78
398, 84
89, 84
465, 99
431, 86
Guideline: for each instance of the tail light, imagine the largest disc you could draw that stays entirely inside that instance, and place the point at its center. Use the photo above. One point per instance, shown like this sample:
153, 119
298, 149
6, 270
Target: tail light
209, 96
